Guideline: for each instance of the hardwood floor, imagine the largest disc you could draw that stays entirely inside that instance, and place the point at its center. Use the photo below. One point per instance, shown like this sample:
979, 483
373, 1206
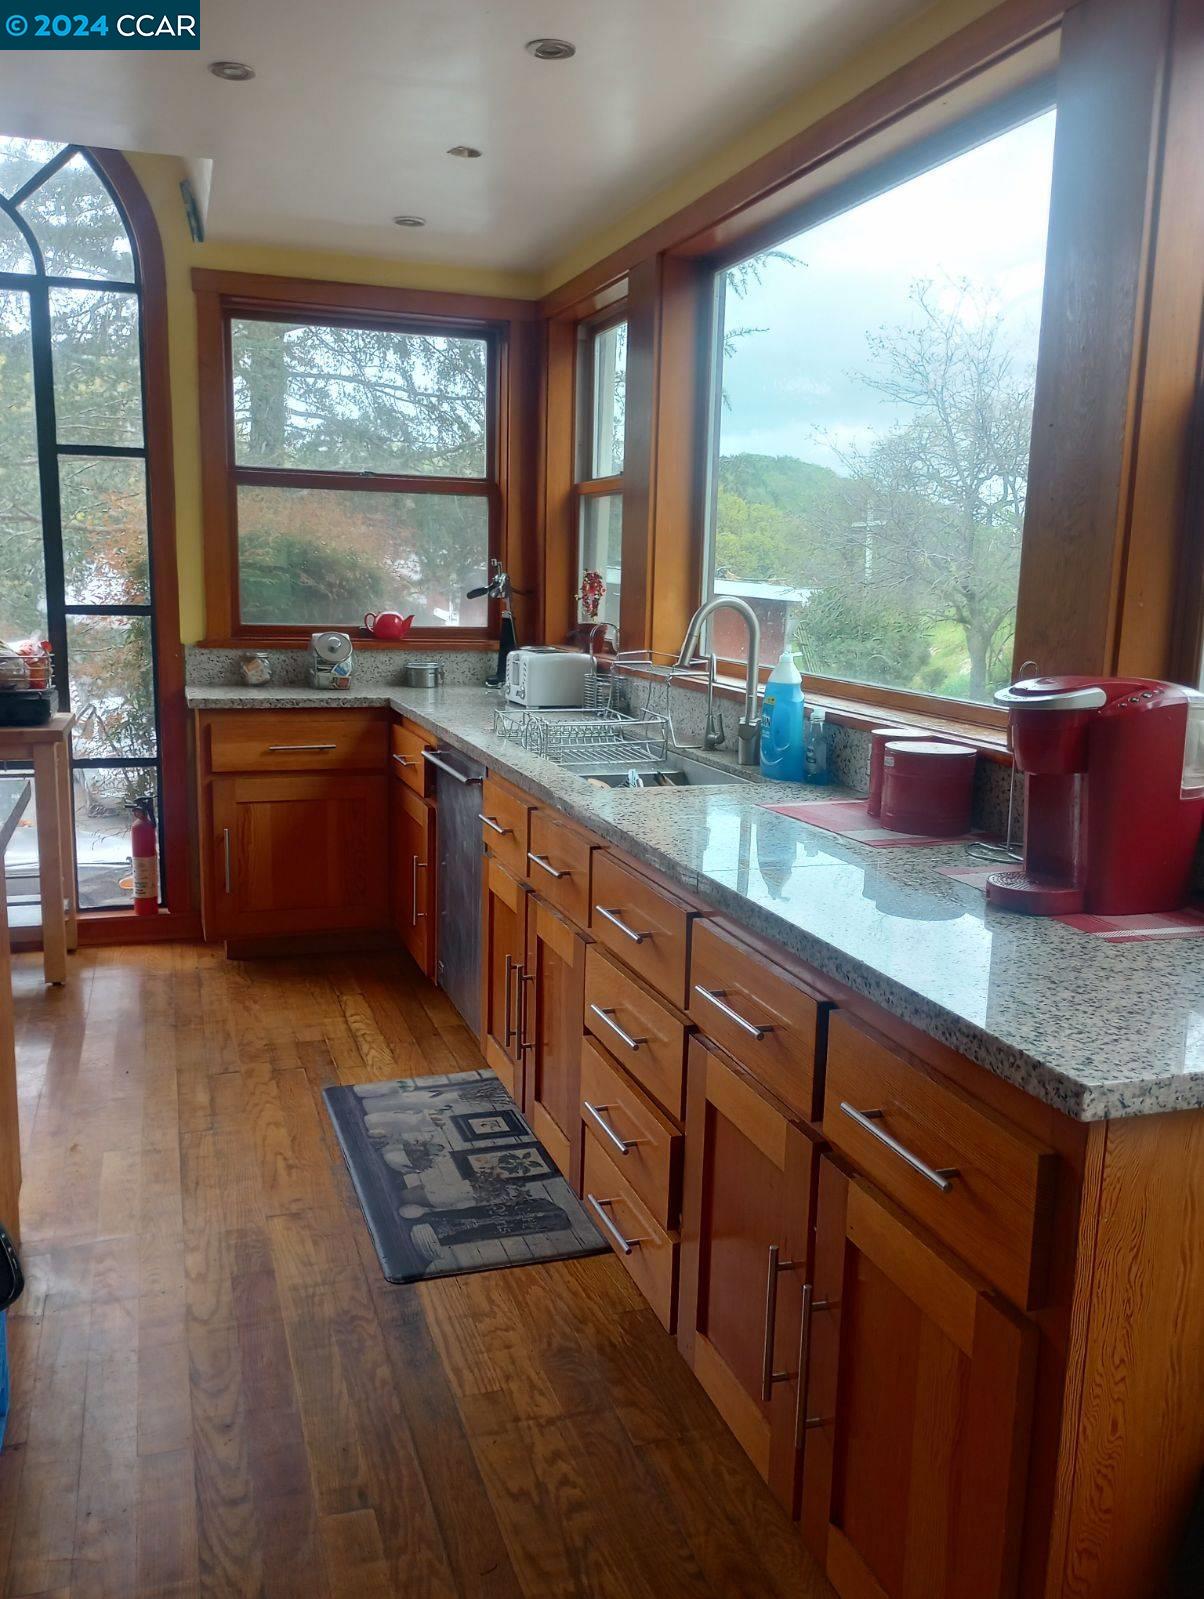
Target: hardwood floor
217, 1393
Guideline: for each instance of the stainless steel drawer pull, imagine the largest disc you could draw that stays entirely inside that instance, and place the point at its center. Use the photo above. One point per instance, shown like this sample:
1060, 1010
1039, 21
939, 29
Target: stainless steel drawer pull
717, 998
403, 760
608, 1016
288, 749
507, 1027
617, 921
460, 777
623, 1145
542, 860
525, 978
768, 1375
415, 913
494, 825
803, 1422
598, 1206
939, 1176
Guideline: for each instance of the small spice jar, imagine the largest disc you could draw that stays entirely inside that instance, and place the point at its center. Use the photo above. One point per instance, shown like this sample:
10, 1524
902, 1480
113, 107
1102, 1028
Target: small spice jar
255, 669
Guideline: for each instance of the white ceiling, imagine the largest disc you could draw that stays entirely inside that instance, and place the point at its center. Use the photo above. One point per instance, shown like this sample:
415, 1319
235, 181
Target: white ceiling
354, 105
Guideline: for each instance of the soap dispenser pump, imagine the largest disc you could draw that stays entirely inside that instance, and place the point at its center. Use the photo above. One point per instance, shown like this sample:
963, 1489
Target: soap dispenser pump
783, 747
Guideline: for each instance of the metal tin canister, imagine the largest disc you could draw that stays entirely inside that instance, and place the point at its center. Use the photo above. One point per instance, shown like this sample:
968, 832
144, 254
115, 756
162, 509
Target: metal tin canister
927, 787
879, 739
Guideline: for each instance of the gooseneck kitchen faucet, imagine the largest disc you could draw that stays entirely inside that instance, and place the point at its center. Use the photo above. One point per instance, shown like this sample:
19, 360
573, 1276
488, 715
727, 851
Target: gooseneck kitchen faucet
748, 734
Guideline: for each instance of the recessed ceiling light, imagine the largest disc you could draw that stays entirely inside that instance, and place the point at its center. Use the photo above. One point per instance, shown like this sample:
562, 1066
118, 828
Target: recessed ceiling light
410, 222
550, 49
232, 71
466, 151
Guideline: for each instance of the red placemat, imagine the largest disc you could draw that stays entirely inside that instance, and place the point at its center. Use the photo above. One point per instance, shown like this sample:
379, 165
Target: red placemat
1114, 929
851, 819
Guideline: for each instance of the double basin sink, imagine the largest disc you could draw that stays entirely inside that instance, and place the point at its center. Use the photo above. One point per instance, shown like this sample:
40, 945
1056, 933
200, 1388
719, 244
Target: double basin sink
676, 771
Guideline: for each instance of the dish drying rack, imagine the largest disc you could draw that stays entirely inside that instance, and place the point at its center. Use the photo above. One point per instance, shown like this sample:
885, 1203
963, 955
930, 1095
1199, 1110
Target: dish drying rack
598, 732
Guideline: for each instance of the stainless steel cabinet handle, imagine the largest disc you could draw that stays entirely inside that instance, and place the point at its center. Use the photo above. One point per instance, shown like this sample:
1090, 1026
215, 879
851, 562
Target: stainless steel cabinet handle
716, 997
617, 921
507, 1008
623, 1145
524, 1044
939, 1176
460, 777
226, 853
768, 1375
598, 1206
403, 760
493, 825
285, 749
608, 1016
542, 860
802, 1422
415, 913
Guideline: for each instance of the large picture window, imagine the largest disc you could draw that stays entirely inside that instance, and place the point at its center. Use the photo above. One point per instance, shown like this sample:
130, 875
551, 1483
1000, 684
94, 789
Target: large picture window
362, 469
75, 545
872, 415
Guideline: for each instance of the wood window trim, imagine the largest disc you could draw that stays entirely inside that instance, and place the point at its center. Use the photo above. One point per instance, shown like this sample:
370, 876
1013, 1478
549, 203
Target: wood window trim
507, 325
178, 819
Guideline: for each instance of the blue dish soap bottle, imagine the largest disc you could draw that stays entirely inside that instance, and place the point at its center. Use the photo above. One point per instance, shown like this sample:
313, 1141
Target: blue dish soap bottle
783, 750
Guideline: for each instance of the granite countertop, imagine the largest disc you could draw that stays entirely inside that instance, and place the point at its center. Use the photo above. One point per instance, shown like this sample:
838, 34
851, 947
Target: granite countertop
1095, 1029
14, 797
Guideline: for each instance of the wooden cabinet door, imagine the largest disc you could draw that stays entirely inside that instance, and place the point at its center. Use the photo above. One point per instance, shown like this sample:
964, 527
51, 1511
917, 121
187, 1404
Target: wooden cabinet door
505, 944
413, 875
553, 989
918, 1410
746, 1219
299, 854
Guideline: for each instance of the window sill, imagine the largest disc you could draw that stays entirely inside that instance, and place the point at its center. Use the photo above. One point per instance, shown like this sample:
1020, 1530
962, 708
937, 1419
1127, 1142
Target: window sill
425, 641
989, 740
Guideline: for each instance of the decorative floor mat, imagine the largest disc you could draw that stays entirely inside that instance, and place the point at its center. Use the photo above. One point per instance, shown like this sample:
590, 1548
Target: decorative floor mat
451, 1178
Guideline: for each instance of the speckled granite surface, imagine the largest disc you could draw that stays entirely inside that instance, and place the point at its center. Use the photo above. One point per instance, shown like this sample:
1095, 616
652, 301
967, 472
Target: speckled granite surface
1094, 1029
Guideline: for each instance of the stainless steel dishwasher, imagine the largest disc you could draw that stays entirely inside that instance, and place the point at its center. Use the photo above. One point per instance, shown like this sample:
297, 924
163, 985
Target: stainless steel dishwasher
458, 880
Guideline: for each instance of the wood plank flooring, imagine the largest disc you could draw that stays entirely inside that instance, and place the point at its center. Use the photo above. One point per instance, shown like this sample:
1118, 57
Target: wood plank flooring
216, 1392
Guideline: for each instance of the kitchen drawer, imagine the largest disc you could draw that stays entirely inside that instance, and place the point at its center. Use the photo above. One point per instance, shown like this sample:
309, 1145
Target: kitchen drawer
641, 1140
407, 745
648, 1252
978, 1182
297, 741
558, 864
642, 925
505, 825
762, 1015
637, 1028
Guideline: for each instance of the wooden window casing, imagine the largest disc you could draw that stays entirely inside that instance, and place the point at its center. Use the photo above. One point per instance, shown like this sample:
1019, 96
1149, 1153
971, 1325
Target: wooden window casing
504, 326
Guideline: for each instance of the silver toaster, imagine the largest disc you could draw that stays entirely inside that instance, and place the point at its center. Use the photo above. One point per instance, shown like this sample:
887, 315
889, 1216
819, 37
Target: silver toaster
543, 676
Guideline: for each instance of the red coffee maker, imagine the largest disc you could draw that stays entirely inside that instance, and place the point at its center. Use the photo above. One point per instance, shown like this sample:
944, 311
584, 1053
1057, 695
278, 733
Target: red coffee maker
1114, 795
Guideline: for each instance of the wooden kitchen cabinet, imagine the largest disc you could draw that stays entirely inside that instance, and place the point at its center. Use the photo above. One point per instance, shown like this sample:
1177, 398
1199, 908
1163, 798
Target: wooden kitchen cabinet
505, 944
413, 857
746, 1222
917, 1410
550, 1016
298, 853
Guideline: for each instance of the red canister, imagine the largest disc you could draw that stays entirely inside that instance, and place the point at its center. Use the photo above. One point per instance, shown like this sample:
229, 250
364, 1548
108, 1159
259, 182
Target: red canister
879, 739
927, 787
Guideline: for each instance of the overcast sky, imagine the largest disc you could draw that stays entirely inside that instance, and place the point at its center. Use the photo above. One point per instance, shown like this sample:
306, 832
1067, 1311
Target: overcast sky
793, 390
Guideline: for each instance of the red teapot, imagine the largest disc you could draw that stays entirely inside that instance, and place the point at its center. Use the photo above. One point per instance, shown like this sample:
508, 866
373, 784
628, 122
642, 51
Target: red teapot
388, 625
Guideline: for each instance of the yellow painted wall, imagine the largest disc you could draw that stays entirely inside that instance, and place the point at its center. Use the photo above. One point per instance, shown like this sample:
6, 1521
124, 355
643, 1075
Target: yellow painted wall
160, 177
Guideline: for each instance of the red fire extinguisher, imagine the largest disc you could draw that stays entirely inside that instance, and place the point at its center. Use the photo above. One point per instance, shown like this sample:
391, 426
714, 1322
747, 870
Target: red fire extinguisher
145, 852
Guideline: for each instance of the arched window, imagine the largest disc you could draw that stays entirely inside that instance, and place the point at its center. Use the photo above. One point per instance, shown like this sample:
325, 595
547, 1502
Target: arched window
74, 508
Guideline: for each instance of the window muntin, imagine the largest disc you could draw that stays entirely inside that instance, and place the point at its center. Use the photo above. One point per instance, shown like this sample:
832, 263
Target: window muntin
74, 528
364, 471
873, 411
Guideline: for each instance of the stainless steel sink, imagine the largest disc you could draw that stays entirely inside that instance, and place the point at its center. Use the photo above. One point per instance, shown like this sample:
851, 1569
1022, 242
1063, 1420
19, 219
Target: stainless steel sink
677, 771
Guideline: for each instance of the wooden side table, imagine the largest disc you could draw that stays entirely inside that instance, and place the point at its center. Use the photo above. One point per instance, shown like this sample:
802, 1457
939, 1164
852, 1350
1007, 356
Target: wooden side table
48, 751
